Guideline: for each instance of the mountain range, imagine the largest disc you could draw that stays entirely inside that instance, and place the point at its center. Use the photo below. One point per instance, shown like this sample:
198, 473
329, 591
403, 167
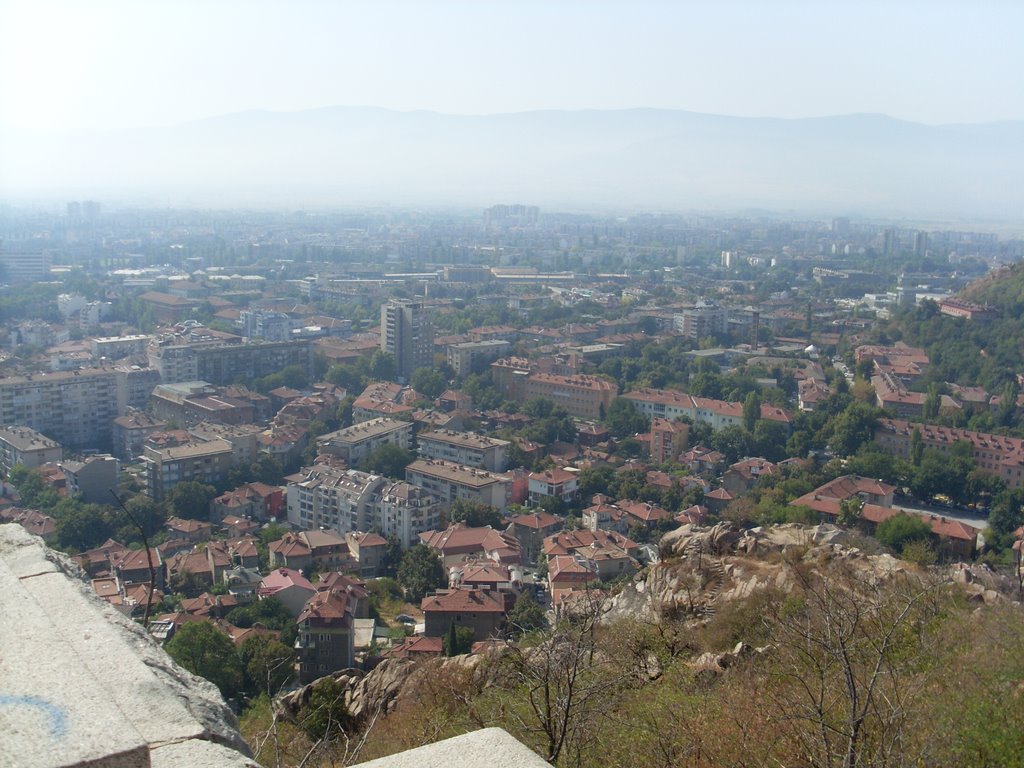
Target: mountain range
589, 159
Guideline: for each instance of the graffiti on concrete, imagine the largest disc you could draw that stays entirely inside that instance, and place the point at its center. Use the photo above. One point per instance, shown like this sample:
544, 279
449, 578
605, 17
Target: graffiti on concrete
58, 720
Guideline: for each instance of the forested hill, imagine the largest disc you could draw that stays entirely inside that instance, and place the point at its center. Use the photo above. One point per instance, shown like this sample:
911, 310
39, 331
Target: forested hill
1002, 288
969, 353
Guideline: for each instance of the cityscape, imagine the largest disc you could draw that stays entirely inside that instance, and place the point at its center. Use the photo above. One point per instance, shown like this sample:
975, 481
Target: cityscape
512, 419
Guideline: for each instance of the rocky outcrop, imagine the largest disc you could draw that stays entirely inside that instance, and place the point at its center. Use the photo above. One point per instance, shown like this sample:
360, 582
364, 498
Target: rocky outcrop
719, 662
704, 567
380, 690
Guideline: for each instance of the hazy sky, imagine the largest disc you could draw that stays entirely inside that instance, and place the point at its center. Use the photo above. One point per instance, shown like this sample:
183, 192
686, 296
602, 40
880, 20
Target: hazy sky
102, 64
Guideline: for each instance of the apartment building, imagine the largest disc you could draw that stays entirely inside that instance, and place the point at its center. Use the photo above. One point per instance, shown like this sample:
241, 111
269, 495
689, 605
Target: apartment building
465, 448
407, 333
191, 402
207, 463
451, 482
332, 497
244, 438
25, 446
116, 347
92, 479
995, 454
585, 396
405, 511
131, 431
470, 356
672, 404
134, 387
75, 408
326, 639
701, 321
668, 439
353, 444
222, 363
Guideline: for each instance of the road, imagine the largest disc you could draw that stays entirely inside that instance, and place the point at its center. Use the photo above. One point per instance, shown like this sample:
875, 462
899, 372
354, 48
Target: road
963, 515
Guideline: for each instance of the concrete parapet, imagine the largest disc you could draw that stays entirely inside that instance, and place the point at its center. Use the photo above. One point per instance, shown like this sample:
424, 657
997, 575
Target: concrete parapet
486, 748
81, 685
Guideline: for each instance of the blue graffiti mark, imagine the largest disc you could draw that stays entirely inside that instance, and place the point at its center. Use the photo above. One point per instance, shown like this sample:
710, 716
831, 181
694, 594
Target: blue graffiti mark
58, 720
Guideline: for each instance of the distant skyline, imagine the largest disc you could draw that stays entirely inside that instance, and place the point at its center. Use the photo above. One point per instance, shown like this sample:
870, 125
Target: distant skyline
110, 65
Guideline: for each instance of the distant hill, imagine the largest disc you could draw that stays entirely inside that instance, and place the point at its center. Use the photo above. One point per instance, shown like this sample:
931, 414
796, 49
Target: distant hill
637, 158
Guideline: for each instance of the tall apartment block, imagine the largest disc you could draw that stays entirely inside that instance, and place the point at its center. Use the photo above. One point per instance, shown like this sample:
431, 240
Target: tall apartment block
75, 408
222, 364
407, 333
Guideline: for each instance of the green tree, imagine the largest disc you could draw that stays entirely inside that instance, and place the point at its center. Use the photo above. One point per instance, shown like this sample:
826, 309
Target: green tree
769, 439
82, 526
388, 460
526, 615
429, 382
392, 556
916, 447
204, 650
473, 514
382, 366
849, 511
420, 572
854, 427
624, 420
751, 411
191, 499
269, 664
902, 529
733, 441
930, 409
325, 717
458, 640
151, 515
35, 492
270, 612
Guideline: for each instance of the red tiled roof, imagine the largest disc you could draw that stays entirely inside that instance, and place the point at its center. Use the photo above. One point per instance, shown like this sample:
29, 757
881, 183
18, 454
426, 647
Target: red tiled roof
462, 601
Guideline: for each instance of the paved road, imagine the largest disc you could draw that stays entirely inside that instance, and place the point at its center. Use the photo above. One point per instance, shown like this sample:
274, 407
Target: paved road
963, 515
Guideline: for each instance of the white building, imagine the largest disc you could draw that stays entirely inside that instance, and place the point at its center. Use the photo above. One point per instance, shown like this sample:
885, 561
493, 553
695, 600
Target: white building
353, 444
465, 448
330, 497
405, 511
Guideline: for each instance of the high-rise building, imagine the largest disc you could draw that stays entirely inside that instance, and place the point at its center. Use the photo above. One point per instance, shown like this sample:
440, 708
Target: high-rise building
407, 333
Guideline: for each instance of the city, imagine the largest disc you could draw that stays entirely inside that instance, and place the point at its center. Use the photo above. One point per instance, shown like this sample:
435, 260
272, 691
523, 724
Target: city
460, 385
359, 437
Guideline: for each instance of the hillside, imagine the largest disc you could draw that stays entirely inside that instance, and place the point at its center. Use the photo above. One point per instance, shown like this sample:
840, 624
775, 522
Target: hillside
1003, 288
740, 648
635, 158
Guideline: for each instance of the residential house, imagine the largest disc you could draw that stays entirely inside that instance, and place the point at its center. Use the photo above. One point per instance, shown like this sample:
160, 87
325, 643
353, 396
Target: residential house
531, 529
369, 551
93, 479
191, 530
289, 586
559, 484
326, 636
742, 476
291, 551
481, 611
459, 543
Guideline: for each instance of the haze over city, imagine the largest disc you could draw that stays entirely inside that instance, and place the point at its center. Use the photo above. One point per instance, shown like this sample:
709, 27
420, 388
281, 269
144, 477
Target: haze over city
260, 104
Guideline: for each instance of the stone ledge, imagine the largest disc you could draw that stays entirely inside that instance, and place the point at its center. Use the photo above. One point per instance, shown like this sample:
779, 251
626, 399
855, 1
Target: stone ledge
81, 685
486, 748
